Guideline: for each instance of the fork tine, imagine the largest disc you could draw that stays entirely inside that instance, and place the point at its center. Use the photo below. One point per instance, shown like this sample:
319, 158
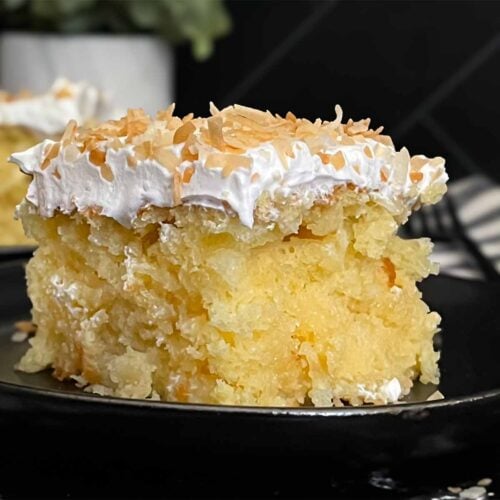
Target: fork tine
486, 266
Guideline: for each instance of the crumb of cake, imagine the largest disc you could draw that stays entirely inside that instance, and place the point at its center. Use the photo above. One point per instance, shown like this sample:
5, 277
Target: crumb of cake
435, 396
473, 493
244, 258
486, 481
80, 381
25, 326
19, 337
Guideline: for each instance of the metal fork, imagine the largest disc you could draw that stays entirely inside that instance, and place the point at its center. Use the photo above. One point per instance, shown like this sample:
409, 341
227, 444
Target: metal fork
441, 224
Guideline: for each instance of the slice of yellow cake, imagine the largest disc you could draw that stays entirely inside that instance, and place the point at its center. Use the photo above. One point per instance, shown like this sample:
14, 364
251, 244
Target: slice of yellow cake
25, 120
243, 259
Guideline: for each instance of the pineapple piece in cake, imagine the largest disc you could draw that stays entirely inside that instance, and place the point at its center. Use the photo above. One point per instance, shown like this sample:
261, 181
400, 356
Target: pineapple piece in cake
240, 259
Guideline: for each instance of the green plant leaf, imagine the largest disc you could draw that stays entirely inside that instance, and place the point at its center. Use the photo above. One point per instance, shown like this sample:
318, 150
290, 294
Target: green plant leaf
199, 22
145, 14
13, 4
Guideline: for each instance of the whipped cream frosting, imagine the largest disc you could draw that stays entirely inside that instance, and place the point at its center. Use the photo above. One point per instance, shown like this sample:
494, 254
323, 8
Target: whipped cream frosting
48, 114
72, 180
390, 392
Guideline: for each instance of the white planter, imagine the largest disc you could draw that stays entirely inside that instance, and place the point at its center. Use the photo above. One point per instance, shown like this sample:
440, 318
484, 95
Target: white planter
134, 71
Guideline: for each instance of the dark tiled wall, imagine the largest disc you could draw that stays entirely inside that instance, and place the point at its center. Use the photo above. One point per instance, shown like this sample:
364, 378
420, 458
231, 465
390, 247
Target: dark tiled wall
427, 70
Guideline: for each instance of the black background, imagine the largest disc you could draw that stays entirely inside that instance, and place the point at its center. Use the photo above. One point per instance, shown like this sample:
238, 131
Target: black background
428, 71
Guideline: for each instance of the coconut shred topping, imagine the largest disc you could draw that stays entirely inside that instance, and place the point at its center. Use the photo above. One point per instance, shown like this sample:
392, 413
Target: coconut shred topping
49, 113
227, 162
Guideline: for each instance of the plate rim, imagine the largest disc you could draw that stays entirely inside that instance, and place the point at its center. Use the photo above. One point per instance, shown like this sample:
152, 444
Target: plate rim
17, 251
201, 408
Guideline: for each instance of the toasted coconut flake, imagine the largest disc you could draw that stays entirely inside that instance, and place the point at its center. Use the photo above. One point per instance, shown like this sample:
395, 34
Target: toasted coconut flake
416, 176
187, 174
71, 153
368, 151
284, 150
189, 153
256, 115
106, 172
338, 116
183, 133
238, 144
438, 161
384, 139
25, 326
174, 123
359, 127
167, 158
213, 109
177, 189
64, 93
69, 132
255, 177
338, 160
325, 158
417, 162
131, 161
166, 114
228, 162
144, 150
136, 123
97, 157
252, 126
215, 132
232, 131
51, 153
347, 141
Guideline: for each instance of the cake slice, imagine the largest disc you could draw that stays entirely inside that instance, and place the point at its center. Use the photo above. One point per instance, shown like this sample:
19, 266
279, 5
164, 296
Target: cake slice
243, 259
25, 120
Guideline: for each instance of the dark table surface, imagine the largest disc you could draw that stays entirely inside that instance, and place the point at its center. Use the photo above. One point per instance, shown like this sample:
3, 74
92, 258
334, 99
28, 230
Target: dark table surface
46, 466
40, 459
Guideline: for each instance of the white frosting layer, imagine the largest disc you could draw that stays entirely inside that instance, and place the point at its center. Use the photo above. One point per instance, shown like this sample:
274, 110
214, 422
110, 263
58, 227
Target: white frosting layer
49, 113
71, 182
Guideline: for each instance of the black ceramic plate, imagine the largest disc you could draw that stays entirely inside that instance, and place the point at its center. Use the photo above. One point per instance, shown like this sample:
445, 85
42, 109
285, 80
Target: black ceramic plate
470, 382
9, 252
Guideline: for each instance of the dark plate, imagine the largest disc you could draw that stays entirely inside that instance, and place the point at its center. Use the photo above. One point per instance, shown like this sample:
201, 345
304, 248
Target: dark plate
50, 413
10, 252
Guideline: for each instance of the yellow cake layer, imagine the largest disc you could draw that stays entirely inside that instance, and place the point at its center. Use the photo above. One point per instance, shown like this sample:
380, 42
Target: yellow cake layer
189, 305
13, 183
